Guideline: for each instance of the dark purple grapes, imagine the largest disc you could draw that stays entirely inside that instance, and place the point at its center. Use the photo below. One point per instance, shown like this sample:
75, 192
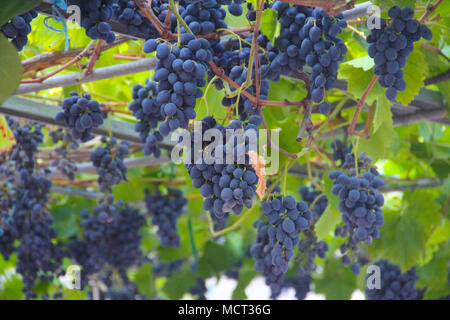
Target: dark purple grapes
95, 17
81, 115
390, 45
395, 285
18, 28
108, 161
165, 211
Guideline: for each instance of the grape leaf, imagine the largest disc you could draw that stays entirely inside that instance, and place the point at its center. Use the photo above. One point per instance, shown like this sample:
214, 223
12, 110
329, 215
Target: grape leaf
143, 279
10, 9
415, 70
379, 143
331, 216
434, 275
11, 69
404, 236
6, 136
382, 113
178, 284
365, 63
215, 259
337, 282
270, 26
246, 275
358, 81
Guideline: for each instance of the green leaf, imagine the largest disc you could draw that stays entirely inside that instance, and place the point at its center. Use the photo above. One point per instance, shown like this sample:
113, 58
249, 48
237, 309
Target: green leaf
178, 284
246, 275
365, 63
434, 275
143, 279
404, 236
380, 141
214, 260
11, 9
416, 70
6, 137
337, 281
130, 190
270, 25
358, 81
331, 216
11, 69
382, 113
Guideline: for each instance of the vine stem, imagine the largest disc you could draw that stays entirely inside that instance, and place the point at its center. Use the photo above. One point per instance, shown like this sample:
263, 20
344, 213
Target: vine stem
94, 58
351, 129
63, 67
430, 10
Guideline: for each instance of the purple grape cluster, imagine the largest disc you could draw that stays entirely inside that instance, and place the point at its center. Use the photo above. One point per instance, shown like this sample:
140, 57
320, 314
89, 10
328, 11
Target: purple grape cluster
300, 284
65, 140
81, 115
147, 111
128, 14
95, 17
25, 221
165, 209
230, 185
203, 17
18, 28
390, 45
109, 163
395, 285
110, 239
180, 74
309, 36
360, 205
27, 137
277, 239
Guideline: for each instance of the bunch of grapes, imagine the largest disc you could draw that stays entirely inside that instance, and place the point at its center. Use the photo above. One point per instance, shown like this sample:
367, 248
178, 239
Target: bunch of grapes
64, 165
81, 115
25, 222
390, 45
261, 253
129, 15
310, 36
227, 184
95, 17
27, 139
287, 219
360, 205
204, 17
18, 28
108, 160
180, 73
165, 211
111, 238
147, 111
395, 285
300, 284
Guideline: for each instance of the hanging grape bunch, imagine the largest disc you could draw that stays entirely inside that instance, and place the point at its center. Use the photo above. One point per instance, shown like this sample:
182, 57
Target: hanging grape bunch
95, 17
360, 204
81, 115
390, 45
18, 28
